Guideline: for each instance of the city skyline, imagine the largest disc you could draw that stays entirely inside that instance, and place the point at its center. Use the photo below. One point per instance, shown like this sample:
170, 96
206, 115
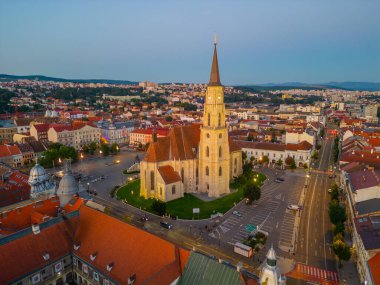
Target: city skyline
287, 41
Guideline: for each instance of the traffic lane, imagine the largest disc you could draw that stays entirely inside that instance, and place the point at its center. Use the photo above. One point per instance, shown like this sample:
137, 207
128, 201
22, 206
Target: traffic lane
313, 212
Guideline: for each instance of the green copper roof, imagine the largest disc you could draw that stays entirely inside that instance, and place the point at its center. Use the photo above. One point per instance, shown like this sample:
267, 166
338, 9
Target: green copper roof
202, 270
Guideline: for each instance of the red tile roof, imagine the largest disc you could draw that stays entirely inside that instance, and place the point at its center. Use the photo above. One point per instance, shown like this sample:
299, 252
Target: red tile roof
374, 266
24, 254
363, 179
304, 145
143, 254
181, 143
9, 150
168, 174
41, 127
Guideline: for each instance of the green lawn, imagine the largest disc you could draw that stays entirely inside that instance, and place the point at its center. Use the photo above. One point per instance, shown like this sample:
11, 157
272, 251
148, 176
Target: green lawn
183, 207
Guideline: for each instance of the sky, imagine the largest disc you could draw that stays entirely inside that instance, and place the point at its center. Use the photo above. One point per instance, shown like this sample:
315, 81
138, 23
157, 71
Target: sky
259, 41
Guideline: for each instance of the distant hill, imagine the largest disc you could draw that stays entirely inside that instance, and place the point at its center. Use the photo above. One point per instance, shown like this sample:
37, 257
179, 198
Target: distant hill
7, 77
348, 85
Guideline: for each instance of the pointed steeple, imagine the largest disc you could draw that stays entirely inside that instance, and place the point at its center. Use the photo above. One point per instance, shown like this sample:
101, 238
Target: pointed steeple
214, 76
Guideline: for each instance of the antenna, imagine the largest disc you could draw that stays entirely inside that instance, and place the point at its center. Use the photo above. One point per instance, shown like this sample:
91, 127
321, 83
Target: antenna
215, 41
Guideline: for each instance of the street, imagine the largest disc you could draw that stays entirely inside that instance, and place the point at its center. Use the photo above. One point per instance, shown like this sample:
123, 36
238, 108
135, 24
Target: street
314, 239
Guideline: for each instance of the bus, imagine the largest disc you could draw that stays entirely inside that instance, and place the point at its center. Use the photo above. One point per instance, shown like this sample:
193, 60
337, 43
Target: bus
243, 249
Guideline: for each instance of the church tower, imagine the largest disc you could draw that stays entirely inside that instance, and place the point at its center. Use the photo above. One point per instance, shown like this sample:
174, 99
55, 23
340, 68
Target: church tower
214, 154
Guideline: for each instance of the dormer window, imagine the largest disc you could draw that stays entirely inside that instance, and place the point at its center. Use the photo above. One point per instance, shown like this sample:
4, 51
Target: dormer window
109, 267
46, 256
76, 246
93, 256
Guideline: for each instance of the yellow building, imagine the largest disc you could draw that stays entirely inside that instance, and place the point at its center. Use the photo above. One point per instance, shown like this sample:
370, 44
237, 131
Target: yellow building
194, 158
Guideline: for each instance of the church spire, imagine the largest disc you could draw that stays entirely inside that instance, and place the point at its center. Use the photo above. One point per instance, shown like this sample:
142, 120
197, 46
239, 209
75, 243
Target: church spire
214, 76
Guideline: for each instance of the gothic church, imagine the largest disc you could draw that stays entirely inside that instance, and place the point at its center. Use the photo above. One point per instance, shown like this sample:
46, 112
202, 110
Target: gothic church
194, 158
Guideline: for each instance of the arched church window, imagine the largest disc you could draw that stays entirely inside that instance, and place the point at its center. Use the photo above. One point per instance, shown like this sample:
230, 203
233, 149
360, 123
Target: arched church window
173, 189
235, 161
220, 136
207, 171
208, 119
219, 119
220, 151
208, 135
208, 186
152, 180
207, 151
183, 174
220, 171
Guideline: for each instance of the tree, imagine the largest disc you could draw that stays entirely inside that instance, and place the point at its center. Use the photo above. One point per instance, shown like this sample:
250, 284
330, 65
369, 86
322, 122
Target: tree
105, 149
244, 155
265, 159
339, 229
337, 213
293, 165
334, 192
305, 166
279, 162
314, 154
168, 119
342, 250
252, 192
92, 147
115, 148
289, 160
159, 207
248, 171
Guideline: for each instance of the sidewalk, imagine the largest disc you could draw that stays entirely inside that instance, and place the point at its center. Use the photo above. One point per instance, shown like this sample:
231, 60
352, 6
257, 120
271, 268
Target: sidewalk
348, 274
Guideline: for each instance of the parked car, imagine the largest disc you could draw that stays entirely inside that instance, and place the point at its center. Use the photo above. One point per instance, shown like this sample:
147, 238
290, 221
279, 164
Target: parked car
237, 213
294, 207
144, 218
166, 225
281, 179
277, 180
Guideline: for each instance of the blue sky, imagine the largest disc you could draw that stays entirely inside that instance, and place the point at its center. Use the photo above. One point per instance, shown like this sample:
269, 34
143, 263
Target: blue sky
171, 41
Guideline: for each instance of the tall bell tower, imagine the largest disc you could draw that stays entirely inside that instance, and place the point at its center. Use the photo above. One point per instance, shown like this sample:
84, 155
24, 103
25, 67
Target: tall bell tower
214, 154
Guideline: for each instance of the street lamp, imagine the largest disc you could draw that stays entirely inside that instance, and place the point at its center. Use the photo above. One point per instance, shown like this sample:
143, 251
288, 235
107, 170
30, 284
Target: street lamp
88, 187
100, 152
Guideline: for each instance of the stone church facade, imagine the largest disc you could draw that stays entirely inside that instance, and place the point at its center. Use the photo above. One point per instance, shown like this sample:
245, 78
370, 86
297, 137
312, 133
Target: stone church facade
194, 158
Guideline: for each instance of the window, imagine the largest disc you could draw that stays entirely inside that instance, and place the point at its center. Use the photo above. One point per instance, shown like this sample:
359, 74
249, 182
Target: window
152, 180
220, 151
208, 135
220, 136
183, 174
235, 162
160, 191
207, 186
219, 119
196, 172
207, 171
208, 119
207, 151
173, 189
220, 171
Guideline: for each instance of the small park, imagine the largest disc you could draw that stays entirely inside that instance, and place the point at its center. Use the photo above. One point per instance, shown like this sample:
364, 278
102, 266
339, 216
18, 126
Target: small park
246, 185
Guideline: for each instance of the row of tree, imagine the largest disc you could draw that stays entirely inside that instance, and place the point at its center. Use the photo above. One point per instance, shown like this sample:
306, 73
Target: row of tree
338, 217
55, 154
105, 149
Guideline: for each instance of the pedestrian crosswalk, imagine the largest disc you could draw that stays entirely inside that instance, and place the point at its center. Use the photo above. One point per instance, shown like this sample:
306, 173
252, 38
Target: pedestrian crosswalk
315, 274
